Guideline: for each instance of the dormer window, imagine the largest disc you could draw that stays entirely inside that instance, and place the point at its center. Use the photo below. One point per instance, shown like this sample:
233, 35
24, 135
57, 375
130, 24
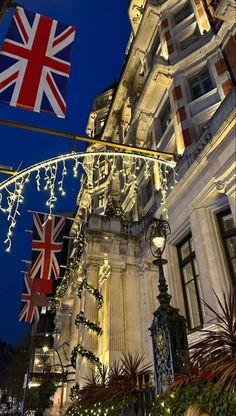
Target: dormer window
184, 12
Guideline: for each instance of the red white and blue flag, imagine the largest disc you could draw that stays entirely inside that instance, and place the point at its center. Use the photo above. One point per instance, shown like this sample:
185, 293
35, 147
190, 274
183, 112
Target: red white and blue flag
35, 63
47, 244
29, 312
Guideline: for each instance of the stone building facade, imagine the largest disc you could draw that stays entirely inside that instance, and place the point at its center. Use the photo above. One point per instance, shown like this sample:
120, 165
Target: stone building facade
176, 93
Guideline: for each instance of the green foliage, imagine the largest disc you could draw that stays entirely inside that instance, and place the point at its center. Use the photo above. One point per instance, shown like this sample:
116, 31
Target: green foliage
176, 400
105, 408
84, 285
81, 320
15, 371
216, 350
114, 209
80, 350
40, 398
106, 385
72, 266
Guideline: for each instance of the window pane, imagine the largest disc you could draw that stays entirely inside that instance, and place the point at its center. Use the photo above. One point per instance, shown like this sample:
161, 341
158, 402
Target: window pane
231, 245
193, 309
188, 273
195, 267
207, 85
182, 13
228, 222
201, 84
185, 250
185, 43
165, 117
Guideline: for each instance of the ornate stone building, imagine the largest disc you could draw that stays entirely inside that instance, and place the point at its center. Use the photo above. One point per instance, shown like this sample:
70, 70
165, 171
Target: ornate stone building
176, 93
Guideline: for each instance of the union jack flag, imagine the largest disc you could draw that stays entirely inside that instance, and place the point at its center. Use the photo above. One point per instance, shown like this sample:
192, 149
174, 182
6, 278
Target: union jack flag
35, 63
47, 244
29, 312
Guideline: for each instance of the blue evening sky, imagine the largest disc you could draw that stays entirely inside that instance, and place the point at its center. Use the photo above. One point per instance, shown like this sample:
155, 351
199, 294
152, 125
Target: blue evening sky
97, 57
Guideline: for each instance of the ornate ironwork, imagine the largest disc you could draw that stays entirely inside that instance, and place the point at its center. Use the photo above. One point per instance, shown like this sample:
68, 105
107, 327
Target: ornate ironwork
168, 329
157, 228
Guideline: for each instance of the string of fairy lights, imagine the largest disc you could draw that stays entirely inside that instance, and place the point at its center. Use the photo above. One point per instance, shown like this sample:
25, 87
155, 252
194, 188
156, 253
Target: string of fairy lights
50, 175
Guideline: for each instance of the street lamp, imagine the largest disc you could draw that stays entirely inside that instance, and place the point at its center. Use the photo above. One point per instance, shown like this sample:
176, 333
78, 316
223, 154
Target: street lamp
168, 329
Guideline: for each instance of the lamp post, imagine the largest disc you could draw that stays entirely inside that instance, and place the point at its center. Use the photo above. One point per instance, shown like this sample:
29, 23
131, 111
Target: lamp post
168, 329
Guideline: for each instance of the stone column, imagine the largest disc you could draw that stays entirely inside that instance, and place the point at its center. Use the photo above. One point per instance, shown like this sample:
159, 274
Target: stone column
89, 339
72, 343
132, 309
212, 271
116, 323
66, 324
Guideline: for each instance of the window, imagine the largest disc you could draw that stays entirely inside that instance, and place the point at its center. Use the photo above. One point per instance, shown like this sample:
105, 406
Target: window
165, 117
155, 46
99, 201
200, 84
190, 283
183, 13
147, 192
185, 43
228, 233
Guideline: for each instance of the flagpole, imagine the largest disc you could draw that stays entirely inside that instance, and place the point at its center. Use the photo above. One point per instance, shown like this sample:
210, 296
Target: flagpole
92, 140
51, 215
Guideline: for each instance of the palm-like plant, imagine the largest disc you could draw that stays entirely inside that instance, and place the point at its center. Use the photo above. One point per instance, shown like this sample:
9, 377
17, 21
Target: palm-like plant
217, 351
120, 381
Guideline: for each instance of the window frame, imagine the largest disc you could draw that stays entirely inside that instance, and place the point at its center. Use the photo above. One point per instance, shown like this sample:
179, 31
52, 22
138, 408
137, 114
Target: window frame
224, 236
199, 82
180, 12
182, 263
190, 39
163, 118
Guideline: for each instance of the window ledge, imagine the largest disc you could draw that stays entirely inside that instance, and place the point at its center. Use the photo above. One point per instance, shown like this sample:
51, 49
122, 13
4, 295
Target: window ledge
205, 101
184, 24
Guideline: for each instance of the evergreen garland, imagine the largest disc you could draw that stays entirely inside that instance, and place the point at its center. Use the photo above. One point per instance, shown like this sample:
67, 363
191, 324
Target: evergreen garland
74, 392
114, 209
118, 406
80, 350
72, 266
94, 292
81, 320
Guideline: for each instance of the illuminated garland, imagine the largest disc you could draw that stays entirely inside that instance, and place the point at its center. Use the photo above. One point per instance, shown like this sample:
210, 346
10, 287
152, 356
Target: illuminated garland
72, 266
81, 320
74, 392
114, 408
84, 285
80, 350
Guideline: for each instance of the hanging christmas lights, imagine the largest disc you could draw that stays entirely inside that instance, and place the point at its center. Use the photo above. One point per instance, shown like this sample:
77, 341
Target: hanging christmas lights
50, 175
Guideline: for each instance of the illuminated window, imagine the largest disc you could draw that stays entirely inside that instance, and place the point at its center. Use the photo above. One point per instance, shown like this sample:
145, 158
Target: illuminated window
190, 283
100, 200
200, 84
183, 13
228, 233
